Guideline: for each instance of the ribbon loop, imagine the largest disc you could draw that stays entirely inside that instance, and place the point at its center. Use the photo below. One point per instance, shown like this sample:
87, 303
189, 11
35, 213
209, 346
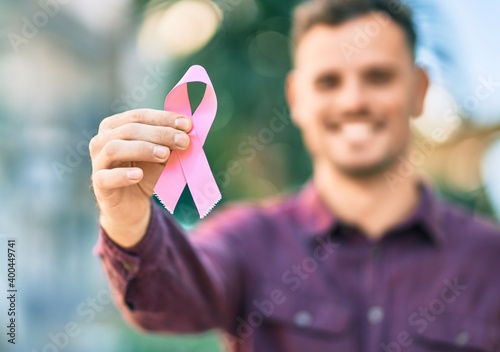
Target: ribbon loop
191, 166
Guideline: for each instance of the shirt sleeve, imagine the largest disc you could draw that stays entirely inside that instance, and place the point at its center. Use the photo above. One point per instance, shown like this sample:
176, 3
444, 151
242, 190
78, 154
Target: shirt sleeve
171, 282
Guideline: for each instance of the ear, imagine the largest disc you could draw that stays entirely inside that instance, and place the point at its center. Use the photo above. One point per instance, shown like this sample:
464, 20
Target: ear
421, 86
290, 93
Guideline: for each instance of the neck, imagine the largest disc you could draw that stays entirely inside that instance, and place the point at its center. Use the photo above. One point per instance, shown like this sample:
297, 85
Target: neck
371, 204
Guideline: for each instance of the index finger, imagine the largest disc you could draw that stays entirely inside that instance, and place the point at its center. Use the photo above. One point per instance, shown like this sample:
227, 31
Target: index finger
147, 117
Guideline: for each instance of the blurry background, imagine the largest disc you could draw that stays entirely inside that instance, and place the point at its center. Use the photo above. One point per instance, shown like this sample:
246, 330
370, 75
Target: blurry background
67, 64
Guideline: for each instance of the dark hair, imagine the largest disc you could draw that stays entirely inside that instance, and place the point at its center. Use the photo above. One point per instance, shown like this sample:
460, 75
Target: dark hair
336, 12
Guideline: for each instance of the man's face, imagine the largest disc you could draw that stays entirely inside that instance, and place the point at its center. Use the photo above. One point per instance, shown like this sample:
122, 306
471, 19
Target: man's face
354, 110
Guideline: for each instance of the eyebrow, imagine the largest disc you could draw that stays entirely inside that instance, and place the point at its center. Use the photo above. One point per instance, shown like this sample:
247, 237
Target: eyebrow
377, 68
326, 74
381, 68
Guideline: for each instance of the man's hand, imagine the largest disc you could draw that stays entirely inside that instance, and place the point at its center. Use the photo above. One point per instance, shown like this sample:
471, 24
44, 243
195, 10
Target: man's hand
128, 155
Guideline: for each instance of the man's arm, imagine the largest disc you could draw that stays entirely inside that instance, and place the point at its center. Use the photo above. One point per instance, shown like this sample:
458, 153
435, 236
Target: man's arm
169, 282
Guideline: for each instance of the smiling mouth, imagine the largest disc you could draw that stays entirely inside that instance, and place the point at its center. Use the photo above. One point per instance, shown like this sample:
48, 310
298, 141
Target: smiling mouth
355, 126
356, 132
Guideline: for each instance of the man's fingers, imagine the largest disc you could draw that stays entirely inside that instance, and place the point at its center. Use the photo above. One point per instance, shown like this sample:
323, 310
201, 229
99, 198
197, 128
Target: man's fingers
106, 179
126, 151
166, 136
155, 126
147, 117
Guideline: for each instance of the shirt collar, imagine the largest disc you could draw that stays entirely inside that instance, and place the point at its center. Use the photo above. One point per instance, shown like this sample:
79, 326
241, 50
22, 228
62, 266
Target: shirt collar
315, 219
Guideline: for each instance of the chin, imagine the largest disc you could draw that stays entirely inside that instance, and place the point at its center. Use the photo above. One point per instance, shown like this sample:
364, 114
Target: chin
365, 169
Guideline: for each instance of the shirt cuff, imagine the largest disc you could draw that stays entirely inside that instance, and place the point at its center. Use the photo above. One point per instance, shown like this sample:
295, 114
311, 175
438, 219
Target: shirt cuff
124, 264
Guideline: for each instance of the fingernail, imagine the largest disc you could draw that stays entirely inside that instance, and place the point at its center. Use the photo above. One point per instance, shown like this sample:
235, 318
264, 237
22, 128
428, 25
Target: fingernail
134, 174
160, 151
181, 139
182, 123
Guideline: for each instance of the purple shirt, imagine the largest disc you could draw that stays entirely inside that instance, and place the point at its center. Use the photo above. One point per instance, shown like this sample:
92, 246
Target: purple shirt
287, 276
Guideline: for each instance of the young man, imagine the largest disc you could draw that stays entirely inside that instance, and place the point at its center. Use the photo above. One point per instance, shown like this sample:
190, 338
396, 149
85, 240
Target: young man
349, 263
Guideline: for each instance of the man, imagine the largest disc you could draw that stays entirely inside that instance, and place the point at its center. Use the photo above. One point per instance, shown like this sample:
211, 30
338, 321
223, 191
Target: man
352, 262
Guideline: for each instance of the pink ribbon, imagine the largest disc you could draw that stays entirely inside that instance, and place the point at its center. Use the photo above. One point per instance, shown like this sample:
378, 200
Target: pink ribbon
191, 166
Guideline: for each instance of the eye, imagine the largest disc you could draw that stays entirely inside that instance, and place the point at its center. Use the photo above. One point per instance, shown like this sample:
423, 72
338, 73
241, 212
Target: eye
326, 82
380, 76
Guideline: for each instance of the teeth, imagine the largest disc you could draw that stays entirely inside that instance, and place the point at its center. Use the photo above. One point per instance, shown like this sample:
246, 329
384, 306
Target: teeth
357, 131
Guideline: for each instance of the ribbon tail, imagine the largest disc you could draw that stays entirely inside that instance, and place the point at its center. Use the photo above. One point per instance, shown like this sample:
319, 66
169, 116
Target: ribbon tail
171, 183
199, 176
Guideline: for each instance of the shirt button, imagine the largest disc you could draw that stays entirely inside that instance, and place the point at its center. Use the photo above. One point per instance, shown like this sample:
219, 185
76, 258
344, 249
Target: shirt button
462, 339
375, 314
302, 319
127, 267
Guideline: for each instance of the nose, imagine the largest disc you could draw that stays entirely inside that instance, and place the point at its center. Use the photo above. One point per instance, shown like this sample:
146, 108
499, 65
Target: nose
352, 99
